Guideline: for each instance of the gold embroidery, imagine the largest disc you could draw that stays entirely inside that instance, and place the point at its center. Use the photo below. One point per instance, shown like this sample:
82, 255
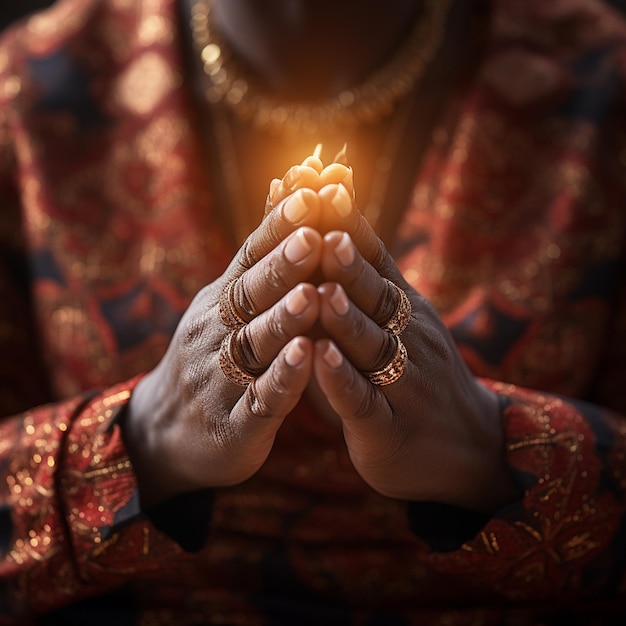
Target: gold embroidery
108, 471
155, 29
142, 86
54, 23
156, 143
11, 87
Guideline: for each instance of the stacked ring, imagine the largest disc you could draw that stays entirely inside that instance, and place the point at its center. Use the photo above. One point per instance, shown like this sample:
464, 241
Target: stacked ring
398, 322
228, 312
393, 370
230, 369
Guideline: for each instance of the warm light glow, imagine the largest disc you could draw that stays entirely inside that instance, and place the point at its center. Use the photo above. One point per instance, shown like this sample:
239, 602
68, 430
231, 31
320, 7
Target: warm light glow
327, 180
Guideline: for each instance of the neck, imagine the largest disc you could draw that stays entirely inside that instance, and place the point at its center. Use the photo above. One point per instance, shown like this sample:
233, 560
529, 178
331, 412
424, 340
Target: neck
308, 49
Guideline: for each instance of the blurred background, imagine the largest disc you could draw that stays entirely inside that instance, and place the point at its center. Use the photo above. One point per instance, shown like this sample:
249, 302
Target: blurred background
13, 10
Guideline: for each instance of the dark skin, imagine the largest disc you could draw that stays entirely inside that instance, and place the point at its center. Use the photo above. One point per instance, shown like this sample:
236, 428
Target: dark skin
435, 434
293, 47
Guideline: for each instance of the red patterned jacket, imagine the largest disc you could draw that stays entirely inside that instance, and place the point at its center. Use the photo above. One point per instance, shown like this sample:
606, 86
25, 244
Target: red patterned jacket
516, 233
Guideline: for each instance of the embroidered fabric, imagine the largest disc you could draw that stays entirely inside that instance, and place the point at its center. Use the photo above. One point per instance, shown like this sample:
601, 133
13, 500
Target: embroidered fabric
515, 232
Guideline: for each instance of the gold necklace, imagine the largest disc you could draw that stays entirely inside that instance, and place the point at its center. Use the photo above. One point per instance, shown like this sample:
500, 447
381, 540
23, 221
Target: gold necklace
365, 103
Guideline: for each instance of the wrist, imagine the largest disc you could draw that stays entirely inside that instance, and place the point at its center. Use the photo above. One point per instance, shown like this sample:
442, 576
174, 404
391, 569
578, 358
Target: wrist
145, 437
490, 485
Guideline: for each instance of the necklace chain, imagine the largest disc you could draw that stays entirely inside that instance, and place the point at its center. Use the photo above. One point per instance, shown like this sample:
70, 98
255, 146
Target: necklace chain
365, 103
234, 96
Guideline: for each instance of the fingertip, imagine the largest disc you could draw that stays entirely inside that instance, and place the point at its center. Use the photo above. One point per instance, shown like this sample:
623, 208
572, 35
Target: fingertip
337, 198
301, 207
329, 354
332, 237
297, 351
274, 185
326, 289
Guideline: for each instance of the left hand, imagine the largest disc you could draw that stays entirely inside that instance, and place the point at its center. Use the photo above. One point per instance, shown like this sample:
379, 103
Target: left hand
435, 434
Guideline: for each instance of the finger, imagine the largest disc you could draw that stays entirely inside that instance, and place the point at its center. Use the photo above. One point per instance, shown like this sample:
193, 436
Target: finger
258, 414
349, 393
373, 432
304, 176
339, 211
366, 345
376, 296
299, 209
311, 174
294, 261
258, 343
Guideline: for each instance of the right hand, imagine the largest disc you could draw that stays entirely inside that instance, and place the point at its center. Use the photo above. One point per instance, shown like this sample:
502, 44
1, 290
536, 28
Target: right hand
187, 427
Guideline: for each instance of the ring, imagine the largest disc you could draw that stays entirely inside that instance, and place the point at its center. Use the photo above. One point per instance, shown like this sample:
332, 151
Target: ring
228, 313
230, 369
402, 315
393, 370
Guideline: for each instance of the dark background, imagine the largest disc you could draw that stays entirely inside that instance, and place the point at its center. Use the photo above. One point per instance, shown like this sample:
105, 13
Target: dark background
14, 9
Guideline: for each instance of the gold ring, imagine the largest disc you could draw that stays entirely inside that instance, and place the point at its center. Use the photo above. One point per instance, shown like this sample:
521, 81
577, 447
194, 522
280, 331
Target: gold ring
402, 315
393, 370
228, 312
230, 369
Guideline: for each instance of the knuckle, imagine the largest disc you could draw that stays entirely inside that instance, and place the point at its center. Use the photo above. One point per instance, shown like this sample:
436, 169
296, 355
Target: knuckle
273, 274
275, 326
191, 378
193, 331
247, 351
208, 293
380, 257
264, 399
266, 237
222, 433
440, 348
385, 352
385, 305
242, 297
358, 326
277, 386
366, 400
274, 231
247, 257
255, 403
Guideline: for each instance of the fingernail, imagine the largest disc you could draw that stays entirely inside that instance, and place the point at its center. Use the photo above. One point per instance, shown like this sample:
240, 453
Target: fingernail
336, 173
345, 250
297, 302
332, 356
294, 355
348, 183
295, 208
274, 185
338, 197
301, 176
342, 201
315, 162
339, 301
297, 248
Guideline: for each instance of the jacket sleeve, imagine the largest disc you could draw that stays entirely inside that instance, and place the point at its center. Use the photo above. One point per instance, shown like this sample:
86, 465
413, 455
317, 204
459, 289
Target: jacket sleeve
70, 520
565, 538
